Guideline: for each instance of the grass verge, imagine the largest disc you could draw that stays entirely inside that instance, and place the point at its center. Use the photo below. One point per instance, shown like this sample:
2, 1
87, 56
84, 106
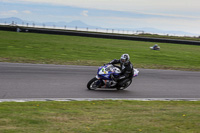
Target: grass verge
73, 50
100, 116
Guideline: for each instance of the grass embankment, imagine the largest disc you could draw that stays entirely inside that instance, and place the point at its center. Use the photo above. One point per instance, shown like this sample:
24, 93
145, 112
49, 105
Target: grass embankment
170, 37
100, 117
73, 50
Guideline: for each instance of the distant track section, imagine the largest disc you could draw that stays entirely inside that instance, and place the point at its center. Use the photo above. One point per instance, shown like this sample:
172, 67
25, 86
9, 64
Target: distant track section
96, 35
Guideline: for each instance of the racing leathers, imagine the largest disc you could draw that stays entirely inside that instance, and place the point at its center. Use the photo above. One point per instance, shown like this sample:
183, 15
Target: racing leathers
126, 71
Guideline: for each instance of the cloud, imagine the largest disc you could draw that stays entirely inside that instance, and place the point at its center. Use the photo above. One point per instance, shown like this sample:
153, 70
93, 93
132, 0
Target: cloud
14, 12
84, 13
145, 6
26, 12
9, 13
177, 8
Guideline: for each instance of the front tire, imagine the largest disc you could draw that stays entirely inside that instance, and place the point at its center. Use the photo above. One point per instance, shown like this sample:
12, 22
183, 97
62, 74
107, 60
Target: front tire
92, 84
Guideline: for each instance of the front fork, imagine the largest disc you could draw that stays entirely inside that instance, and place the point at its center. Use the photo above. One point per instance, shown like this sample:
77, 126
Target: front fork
97, 77
100, 81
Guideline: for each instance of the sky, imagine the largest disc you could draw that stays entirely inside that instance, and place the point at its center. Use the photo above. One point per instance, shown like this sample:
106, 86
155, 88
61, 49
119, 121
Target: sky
170, 15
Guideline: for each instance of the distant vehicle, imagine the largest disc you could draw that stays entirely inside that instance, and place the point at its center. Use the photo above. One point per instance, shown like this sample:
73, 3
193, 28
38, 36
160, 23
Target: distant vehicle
155, 47
104, 75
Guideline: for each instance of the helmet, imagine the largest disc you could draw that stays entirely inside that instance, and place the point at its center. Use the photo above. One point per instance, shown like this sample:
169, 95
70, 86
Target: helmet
156, 45
124, 58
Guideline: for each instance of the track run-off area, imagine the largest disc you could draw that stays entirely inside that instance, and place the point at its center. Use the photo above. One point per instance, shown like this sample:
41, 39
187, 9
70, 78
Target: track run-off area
29, 81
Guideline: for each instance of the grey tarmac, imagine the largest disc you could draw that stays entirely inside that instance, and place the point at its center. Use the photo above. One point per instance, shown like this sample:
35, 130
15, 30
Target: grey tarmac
43, 81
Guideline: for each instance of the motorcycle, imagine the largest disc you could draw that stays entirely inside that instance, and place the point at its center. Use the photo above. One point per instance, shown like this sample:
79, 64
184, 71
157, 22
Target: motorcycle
105, 76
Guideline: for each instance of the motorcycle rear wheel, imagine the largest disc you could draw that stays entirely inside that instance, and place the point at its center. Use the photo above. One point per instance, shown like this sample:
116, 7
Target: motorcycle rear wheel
92, 84
125, 85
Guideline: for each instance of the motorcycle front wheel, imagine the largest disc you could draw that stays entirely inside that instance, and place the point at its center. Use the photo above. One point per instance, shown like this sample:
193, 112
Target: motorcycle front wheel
92, 84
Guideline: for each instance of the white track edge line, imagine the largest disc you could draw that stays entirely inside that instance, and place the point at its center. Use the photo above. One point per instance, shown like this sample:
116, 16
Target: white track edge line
97, 99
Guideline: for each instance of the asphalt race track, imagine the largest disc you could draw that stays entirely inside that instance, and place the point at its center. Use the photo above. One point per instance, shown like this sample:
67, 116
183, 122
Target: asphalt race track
59, 81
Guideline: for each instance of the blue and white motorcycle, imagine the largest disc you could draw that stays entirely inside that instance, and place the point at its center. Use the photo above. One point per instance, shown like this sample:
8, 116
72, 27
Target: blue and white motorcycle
104, 75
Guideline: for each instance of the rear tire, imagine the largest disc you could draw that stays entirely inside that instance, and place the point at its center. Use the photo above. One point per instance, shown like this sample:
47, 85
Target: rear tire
125, 84
92, 84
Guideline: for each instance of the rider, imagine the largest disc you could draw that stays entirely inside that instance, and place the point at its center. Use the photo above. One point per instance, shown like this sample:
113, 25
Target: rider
126, 69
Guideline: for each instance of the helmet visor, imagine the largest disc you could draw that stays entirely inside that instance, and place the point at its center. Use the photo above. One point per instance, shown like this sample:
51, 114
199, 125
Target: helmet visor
123, 60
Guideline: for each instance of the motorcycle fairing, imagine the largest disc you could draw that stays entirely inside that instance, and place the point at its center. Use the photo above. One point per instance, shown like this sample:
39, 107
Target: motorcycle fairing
104, 72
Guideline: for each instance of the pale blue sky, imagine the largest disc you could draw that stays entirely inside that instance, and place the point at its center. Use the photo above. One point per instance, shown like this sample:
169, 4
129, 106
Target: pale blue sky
182, 15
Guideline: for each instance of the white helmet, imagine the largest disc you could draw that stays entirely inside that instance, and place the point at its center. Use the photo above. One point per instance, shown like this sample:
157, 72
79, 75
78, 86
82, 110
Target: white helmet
125, 58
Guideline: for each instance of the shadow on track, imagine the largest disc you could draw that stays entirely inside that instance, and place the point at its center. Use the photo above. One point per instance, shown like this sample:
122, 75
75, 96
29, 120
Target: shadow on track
110, 91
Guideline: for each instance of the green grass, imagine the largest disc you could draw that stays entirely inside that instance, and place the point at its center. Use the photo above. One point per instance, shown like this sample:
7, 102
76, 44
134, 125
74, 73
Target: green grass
100, 117
73, 50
